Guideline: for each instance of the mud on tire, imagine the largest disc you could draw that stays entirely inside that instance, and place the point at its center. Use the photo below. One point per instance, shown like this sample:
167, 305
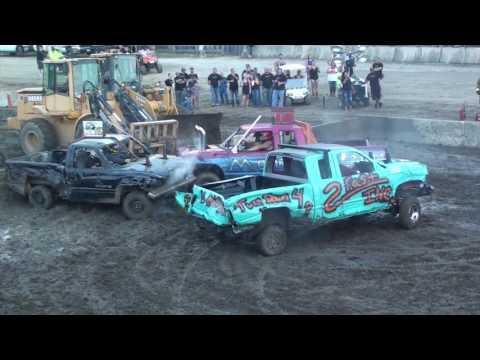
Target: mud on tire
272, 238
41, 196
136, 205
37, 135
409, 212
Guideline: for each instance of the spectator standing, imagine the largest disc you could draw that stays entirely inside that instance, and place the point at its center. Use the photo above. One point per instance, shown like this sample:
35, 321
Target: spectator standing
287, 74
247, 70
222, 88
375, 90
246, 89
213, 81
278, 93
267, 83
169, 81
313, 79
188, 98
195, 88
347, 90
256, 97
377, 66
332, 78
55, 54
349, 64
180, 81
232, 79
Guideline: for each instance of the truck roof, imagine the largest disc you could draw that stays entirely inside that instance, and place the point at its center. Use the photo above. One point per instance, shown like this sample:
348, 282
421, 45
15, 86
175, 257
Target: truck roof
309, 148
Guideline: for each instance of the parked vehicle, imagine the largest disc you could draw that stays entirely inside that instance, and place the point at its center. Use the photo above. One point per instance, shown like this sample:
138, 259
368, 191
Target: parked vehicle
17, 50
97, 170
297, 90
148, 61
310, 184
360, 96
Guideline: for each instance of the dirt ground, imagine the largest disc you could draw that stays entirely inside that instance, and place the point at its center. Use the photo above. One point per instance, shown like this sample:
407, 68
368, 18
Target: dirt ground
85, 259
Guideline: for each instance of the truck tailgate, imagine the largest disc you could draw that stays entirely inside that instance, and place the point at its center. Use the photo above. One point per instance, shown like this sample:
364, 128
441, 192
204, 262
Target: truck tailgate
205, 204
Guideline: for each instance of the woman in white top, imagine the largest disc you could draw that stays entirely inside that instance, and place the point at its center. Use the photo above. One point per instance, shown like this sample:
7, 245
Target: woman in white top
332, 78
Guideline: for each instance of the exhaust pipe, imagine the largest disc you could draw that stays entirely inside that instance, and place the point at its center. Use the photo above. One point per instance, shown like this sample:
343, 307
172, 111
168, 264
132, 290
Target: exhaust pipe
202, 135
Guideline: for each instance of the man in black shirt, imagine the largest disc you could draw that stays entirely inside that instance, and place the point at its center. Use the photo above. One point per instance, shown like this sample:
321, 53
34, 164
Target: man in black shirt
278, 93
213, 80
349, 64
267, 84
232, 79
180, 83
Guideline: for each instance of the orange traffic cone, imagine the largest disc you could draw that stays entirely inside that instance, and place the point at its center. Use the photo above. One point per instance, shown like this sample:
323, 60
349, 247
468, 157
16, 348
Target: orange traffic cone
9, 100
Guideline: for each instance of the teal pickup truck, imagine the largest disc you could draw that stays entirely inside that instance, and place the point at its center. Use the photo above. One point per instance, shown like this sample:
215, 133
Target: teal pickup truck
312, 183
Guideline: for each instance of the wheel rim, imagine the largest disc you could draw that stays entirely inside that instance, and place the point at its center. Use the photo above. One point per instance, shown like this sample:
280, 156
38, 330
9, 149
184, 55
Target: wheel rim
274, 243
137, 206
414, 214
38, 198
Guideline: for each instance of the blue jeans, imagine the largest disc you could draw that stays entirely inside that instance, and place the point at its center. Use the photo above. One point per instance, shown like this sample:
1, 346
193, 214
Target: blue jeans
347, 98
267, 96
256, 97
179, 97
234, 97
215, 99
277, 98
223, 96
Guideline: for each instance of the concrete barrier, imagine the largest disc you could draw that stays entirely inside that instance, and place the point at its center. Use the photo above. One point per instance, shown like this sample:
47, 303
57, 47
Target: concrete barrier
411, 130
406, 54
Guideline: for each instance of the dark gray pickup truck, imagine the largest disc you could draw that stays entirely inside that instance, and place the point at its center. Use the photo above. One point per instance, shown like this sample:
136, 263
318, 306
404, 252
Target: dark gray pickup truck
98, 170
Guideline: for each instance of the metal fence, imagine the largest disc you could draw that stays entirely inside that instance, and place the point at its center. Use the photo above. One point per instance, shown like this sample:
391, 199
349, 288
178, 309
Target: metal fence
208, 49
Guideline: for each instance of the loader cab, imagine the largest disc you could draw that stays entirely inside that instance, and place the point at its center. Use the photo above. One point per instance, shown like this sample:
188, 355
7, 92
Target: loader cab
123, 68
63, 83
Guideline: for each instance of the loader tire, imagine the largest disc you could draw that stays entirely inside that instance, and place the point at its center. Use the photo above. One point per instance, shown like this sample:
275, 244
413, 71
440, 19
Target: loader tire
136, 205
37, 135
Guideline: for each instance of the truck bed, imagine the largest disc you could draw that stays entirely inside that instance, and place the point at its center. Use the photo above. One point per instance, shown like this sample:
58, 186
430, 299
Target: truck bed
236, 186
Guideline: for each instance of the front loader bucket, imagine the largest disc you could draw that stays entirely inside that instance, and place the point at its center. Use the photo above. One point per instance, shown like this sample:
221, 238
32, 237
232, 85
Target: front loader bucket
186, 126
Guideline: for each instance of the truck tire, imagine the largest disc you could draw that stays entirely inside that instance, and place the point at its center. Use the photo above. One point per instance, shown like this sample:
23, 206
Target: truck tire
37, 135
41, 197
159, 68
136, 205
307, 100
143, 69
272, 240
206, 177
288, 102
409, 212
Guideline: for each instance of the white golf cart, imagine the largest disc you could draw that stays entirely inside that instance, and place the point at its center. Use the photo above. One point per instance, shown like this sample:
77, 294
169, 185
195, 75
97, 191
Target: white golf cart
297, 90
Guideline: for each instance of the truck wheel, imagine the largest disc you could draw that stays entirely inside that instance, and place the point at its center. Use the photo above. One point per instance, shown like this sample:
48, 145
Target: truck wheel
288, 102
37, 135
143, 69
41, 197
19, 51
272, 240
307, 100
409, 212
159, 68
136, 205
206, 177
